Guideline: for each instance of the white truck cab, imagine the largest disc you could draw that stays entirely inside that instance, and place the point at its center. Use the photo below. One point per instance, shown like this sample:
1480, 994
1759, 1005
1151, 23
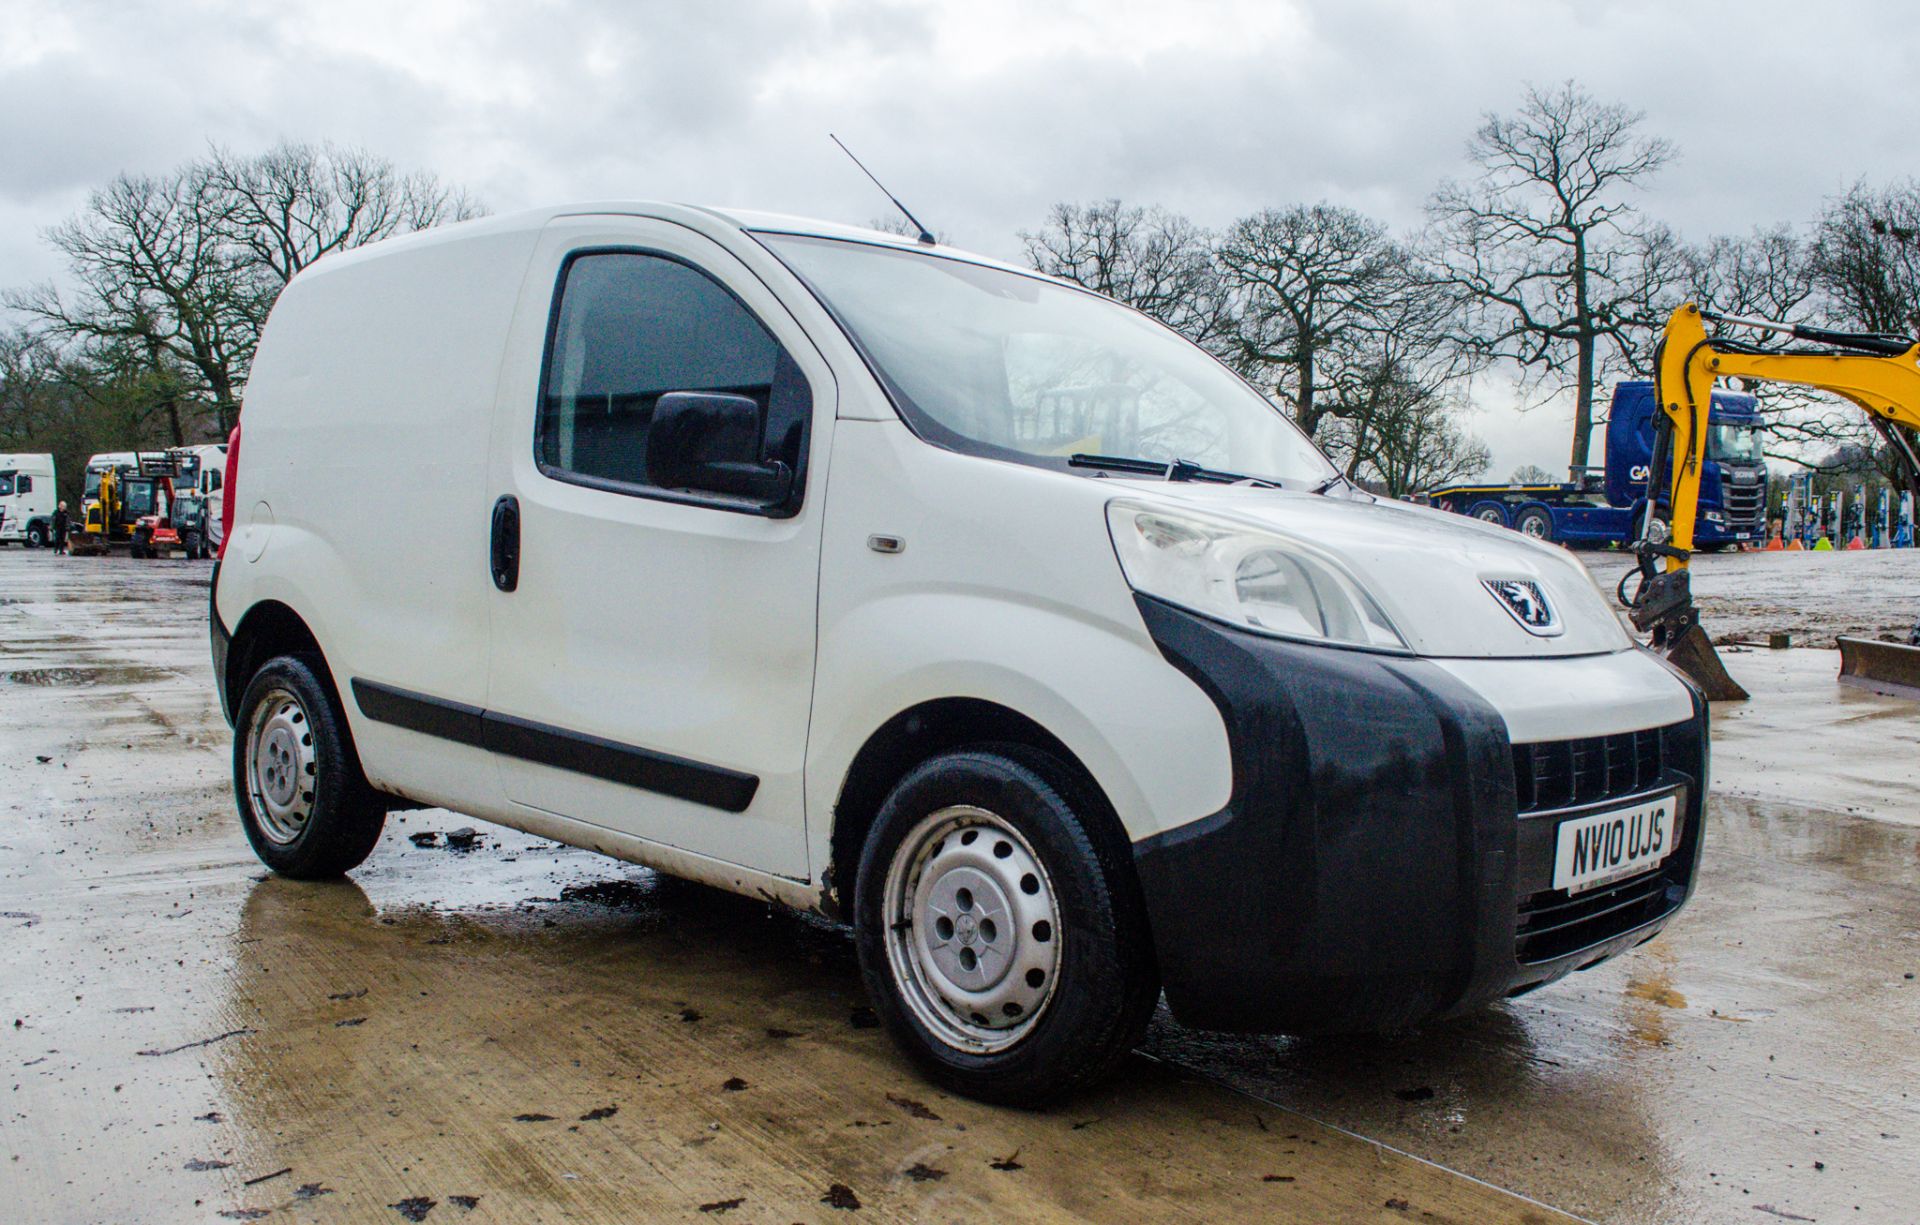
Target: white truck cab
939, 596
207, 473
98, 465
28, 498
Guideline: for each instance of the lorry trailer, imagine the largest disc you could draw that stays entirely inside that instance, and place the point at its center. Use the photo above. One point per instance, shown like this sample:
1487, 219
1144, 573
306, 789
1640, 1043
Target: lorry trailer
1602, 507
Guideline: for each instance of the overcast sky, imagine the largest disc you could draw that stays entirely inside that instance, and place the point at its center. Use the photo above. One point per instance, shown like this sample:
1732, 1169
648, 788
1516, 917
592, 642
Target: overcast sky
978, 113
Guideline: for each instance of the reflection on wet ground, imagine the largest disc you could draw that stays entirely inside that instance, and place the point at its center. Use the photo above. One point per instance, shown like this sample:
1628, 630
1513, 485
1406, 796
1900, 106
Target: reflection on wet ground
520, 1031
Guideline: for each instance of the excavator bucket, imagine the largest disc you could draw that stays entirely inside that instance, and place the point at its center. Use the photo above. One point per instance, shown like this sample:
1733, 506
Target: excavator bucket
1890, 668
1692, 652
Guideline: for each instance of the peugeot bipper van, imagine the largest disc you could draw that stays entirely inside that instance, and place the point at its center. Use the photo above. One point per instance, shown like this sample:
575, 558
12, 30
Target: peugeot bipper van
960, 603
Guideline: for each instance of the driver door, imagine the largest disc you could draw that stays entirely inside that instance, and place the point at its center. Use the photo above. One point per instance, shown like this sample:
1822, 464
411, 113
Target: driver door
652, 664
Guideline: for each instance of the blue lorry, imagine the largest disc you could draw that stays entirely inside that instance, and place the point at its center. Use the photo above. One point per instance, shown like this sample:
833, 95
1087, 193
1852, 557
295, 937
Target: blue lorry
1603, 506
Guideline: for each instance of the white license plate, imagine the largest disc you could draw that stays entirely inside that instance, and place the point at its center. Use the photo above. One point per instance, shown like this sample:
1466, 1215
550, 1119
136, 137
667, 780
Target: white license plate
1608, 846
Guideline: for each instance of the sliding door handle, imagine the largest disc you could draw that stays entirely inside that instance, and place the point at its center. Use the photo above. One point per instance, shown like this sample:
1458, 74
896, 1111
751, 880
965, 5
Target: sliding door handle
504, 553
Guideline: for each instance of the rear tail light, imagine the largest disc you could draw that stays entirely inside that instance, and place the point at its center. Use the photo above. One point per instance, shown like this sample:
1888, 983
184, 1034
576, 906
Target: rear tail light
227, 488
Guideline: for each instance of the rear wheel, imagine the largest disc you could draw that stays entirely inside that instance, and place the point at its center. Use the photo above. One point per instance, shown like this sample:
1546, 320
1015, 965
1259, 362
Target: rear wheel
195, 550
1534, 522
1000, 930
303, 802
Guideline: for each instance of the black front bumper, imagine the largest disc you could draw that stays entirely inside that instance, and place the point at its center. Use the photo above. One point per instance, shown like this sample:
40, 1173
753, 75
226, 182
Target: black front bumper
1372, 867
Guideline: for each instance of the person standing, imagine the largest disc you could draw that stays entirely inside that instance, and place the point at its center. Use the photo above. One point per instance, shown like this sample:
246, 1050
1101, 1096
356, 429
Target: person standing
60, 526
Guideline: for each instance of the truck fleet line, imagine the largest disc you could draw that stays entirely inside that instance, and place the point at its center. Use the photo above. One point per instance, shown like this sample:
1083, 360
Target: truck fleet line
149, 501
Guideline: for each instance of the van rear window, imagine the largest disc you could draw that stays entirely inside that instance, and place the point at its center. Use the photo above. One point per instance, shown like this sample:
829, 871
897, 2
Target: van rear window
632, 327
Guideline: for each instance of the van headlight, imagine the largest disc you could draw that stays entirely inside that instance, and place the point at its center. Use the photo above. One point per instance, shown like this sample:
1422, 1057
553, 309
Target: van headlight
1246, 577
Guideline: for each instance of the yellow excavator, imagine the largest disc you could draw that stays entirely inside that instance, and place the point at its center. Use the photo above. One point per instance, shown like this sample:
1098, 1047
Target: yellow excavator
1879, 373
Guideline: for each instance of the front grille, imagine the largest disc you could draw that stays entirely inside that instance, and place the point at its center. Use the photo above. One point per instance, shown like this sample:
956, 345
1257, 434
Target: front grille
1746, 505
1553, 924
1565, 773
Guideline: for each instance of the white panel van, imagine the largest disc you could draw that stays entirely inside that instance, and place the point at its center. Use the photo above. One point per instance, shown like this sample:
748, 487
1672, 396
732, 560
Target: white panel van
884, 580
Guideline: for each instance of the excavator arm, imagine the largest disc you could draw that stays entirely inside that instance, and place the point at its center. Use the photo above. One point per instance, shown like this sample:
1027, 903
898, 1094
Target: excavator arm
1880, 374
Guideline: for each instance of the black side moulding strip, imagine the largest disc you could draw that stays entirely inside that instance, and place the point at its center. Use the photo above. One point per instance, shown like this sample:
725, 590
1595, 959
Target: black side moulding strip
543, 744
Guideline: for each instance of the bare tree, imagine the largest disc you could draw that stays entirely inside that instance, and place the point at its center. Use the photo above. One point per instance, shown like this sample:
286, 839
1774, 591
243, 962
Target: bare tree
1314, 290
1157, 262
1332, 314
297, 203
1865, 262
1416, 439
74, 404
1552, 267
1532, 474
154, 276
1866, 259
1770, 274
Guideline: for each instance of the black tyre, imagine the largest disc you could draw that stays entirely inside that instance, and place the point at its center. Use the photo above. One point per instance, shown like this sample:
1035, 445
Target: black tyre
195, 549
139, 547
1534, 522
1000, 928
1489, 512
36, 535
303, 801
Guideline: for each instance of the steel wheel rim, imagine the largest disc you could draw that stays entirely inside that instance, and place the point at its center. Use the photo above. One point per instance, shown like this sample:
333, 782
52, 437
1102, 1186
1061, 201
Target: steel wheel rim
973, 929
281, 767
1491, 516
1533, 526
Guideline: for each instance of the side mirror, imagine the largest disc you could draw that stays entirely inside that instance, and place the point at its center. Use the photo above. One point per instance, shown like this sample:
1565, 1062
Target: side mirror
710, 442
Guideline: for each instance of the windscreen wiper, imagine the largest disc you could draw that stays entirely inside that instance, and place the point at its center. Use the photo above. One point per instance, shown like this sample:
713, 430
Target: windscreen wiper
1328, 485
1175, 470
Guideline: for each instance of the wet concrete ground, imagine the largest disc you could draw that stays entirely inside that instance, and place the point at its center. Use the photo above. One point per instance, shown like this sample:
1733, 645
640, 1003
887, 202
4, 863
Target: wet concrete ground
526, 1032
1871, 593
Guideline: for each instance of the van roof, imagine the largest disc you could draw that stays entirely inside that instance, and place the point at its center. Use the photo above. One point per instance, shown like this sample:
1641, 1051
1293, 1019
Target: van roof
709, 220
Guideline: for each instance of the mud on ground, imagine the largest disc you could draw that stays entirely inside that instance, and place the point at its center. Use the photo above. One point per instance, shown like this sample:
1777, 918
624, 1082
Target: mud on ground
498, 1028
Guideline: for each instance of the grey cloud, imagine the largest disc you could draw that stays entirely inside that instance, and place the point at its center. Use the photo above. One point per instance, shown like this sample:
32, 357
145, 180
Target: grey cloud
1366, 102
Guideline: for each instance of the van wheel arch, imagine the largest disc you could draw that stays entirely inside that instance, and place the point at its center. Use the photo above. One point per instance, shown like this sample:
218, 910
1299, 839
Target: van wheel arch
268, 629
943, 726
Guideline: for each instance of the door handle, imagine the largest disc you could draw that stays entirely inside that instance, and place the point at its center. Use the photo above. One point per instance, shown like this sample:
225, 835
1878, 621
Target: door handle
503, 555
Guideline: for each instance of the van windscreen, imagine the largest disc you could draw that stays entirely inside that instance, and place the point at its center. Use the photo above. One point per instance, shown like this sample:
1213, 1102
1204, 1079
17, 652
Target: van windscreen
993, 362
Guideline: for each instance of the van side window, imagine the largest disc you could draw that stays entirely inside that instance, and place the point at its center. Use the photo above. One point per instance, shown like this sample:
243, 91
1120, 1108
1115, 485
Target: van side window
629, 328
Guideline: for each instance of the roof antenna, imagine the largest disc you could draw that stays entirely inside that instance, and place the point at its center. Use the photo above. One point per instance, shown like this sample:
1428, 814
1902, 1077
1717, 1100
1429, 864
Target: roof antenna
926, 235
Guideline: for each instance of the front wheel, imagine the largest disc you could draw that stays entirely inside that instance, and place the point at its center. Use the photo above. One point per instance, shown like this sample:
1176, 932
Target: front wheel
1000, 930
36, 535
1489, 512
195, 550
304, 804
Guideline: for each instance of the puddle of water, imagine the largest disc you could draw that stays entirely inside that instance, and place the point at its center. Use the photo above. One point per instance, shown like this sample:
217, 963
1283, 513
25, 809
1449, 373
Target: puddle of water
62, 677
74, 678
